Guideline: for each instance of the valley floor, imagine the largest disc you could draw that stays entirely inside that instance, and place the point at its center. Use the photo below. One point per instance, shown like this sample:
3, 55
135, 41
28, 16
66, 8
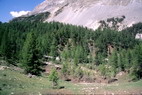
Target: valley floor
13, 82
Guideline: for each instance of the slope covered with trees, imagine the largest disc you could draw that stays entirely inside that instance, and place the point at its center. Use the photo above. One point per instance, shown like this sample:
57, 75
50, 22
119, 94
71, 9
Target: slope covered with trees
119, 51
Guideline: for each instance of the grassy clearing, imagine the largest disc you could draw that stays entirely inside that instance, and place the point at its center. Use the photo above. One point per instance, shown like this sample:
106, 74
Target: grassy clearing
129, 87
14, 82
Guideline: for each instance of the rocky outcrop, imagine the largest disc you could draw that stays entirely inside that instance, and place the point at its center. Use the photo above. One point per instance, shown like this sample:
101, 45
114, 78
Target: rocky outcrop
88, 13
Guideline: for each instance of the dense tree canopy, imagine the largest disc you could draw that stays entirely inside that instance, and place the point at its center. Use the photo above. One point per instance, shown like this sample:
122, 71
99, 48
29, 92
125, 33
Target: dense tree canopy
71, 43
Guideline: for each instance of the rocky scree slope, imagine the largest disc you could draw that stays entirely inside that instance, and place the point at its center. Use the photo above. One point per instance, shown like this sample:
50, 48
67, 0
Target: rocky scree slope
88, 13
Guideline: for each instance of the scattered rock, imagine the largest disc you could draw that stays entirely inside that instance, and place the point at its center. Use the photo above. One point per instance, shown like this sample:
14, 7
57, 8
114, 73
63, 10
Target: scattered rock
112, 93
17, 68
12, 93
112, 80
31, 76
67, 79
98, 81
61, 87
97, 87
3, 67
120, 74
58, 67
57, 58
39, 93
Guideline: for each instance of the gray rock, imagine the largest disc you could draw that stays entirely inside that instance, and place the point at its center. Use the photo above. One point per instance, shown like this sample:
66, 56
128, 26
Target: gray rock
31, 76
88, 13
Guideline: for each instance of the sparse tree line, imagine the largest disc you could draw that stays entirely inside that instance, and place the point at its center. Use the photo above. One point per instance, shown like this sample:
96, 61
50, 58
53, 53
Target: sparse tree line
25, 43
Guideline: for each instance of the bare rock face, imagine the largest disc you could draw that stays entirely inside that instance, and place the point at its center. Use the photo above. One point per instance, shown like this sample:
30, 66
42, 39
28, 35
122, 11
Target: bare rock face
88, 13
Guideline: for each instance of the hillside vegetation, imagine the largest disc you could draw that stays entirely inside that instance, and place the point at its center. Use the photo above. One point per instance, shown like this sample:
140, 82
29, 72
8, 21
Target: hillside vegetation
78, 50
16, 83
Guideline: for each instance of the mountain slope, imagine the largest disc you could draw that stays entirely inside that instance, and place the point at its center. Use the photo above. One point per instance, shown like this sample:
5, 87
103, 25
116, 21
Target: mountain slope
32, 18
89, 12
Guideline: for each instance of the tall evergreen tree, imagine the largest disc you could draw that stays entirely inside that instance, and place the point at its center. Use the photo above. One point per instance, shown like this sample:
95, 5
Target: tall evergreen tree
31, 55
113, 61
136, 71
3, 46
120, 62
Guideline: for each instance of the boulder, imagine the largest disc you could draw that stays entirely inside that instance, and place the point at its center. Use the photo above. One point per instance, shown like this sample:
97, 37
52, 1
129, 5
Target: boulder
112, 80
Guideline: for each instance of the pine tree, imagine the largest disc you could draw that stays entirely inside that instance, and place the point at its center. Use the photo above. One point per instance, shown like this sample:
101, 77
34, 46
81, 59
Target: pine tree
53, 48
4, 44
127, 59
136, 71
31, 55
120, 62
54, 77
113, 61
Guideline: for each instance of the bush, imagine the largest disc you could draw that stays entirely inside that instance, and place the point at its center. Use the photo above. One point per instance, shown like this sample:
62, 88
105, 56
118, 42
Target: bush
102, 69
54, 77
78, 72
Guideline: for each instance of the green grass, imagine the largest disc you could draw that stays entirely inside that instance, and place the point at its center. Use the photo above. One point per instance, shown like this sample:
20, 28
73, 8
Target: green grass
125, 86
15, 82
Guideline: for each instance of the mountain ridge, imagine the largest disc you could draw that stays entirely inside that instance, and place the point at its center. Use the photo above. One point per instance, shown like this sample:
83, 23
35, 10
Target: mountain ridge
88, 13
